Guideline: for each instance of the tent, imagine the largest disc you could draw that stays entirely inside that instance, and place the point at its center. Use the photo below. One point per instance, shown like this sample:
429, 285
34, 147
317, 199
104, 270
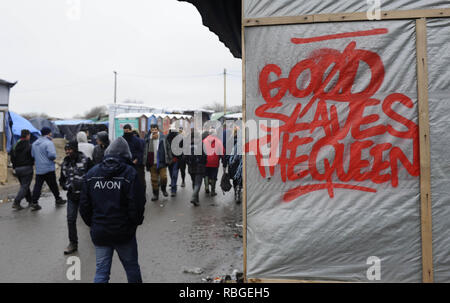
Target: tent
14, 128
39, 123
70, 128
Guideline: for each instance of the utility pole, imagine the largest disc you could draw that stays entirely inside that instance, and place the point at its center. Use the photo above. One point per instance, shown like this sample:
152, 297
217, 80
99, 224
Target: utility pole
224, 91
115, 87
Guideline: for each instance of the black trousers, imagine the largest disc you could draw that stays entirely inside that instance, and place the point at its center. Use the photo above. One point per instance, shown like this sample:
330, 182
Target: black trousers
25, 176
50, 179
182, 168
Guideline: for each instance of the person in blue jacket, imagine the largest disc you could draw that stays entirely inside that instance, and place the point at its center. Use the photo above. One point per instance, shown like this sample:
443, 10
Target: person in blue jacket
44, 153
112, 203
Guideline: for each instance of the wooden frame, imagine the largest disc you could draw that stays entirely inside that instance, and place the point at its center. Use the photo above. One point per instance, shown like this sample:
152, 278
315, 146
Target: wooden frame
345, 17
424, 128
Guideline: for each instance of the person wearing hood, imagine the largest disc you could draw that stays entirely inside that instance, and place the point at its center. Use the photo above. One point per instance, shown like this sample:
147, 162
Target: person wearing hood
44, 153
112, 203
136, 146
23, 162
99, 149
73, 169
83, 146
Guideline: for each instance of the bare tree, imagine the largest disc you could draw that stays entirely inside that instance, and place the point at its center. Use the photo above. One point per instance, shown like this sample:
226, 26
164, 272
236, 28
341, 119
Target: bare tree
95, 112
29, 116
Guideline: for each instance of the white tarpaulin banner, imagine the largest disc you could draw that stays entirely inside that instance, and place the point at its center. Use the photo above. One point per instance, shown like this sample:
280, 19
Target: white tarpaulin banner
276, 8
341, 186
438, 31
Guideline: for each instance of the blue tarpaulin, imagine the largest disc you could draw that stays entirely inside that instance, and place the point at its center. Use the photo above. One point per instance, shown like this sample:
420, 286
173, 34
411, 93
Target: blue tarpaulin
14, 125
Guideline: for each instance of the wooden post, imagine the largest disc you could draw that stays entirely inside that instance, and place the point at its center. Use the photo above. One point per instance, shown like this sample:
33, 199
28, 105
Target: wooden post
425, 154
244, 154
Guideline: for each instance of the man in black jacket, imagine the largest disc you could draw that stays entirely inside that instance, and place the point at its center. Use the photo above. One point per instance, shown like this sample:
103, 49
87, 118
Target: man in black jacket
73, 170
112, 204
136, 146
196, 162
23, 165
99, 149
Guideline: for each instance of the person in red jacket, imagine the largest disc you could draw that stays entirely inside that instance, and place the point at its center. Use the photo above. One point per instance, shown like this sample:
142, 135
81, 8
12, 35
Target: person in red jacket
215, 153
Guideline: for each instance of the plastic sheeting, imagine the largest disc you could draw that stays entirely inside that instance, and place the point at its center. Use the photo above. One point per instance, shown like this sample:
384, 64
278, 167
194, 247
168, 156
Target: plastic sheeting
333, 199
276, 8
438, 31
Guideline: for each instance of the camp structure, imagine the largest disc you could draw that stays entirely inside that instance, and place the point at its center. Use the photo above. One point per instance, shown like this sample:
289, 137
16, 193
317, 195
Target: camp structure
14, 129
354, 186
5, 87
115, 110
40, 122
143, 121
69, 129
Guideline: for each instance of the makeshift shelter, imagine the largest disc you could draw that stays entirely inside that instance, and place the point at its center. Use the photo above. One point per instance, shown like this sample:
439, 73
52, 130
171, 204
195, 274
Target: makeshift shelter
14, 127
359, 171
354, 187
69, 128
39, 123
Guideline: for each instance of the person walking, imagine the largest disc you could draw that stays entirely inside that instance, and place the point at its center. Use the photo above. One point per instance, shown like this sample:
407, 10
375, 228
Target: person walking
196, 162
182, 161
234, 164
23, 162
112, 204
157, 156
174, 165
214, 154
99, 149
136, 146
44, 153
74, 168
83, 146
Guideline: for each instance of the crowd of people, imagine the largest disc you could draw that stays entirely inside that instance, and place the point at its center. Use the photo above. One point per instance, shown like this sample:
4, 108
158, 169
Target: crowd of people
106, 182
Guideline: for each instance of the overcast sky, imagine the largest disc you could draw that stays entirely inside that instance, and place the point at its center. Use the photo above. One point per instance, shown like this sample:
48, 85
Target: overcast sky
64, 61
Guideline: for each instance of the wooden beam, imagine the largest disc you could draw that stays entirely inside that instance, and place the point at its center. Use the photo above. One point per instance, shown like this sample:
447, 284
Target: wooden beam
244, 155
343, 17
425, 154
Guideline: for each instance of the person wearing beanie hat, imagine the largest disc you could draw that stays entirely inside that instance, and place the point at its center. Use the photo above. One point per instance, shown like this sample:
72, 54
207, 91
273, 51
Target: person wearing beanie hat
112, 204
73, 169
44, 154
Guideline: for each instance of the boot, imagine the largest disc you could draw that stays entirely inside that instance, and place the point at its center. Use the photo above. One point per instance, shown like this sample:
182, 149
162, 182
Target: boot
213, 188
207, 185
35, 207
71, 248
60, 201
155, 195
194, 200
17, 205
165, 194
